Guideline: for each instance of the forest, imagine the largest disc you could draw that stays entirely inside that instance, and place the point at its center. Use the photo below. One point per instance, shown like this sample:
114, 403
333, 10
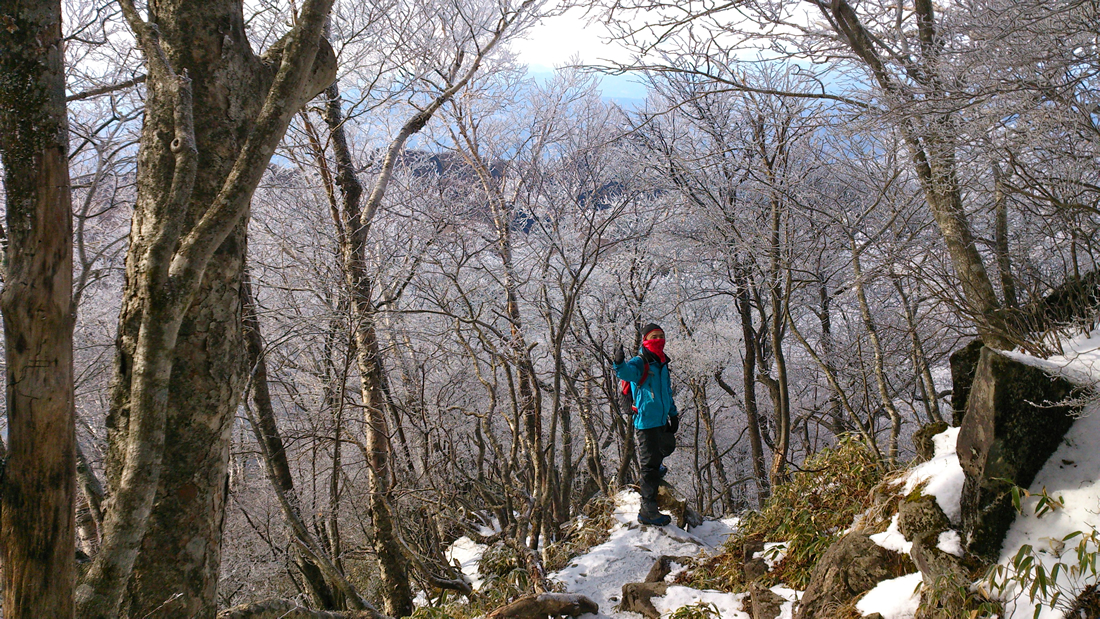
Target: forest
296, 294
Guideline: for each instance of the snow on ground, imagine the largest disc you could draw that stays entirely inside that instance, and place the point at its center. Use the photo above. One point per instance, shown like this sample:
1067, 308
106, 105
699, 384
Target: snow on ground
467, 553
893, 599
728, 604
892, 539
1080, 362
942, 475
1072, 473
773, 554
627, 556
631, 551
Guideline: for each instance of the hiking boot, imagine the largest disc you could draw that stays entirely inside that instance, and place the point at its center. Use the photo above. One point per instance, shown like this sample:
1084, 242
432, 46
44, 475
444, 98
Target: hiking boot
658, 519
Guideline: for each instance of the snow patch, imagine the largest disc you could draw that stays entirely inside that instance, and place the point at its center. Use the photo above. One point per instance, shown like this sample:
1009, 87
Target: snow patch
897, 598
728, 604
944, 442
942, 475
1072, 473
773, 554
1080, 362
714, 533
892, 538
467, 553
950, 542
630, 552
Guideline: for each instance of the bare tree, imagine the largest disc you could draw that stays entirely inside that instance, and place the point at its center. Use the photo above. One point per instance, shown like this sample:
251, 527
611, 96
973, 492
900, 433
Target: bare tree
180, 360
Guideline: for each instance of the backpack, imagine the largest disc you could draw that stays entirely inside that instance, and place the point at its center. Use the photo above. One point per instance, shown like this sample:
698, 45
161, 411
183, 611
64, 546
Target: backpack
626, 384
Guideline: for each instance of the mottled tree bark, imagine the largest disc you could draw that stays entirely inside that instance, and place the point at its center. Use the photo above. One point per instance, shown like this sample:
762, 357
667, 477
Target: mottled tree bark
180, 364
37, 527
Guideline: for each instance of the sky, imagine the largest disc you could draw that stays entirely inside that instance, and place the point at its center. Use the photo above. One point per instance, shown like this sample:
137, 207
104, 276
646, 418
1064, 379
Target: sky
569, 38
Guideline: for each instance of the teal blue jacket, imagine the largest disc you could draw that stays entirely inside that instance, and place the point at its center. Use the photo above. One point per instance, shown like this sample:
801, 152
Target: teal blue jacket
653, 398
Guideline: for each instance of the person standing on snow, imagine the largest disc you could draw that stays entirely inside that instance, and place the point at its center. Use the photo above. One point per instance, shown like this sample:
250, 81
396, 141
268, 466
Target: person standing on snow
655, 416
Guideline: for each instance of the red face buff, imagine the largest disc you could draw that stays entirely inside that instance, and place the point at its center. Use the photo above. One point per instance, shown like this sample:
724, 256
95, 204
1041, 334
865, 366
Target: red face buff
655, 346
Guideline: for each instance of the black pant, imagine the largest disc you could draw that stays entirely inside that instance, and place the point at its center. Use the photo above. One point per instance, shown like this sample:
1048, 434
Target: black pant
652, 449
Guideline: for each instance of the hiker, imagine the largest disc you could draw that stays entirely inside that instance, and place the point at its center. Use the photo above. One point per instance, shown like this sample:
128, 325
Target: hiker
655, 416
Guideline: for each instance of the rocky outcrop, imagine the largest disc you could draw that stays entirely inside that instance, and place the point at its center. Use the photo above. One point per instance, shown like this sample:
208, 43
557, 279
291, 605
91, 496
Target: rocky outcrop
765, 603
546, 605
964, 362
945, 578
851, 567
638, 596
753, 565
1015, 419
922, 440
670, 500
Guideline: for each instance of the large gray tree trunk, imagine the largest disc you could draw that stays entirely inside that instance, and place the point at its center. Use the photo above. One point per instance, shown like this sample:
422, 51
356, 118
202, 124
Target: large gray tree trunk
179, 368
37, 530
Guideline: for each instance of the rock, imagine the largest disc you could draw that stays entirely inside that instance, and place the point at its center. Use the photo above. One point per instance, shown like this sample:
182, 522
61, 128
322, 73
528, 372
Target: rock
922, 439
946, 580
963, 364
1012, 425
851, 566
753, 568
663, 567
638, 596
669, 499
765, 603
921, 516
546, 605
1075, 300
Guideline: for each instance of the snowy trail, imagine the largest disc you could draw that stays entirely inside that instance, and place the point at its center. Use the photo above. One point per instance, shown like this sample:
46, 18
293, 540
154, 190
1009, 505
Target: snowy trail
631, 551
627, 556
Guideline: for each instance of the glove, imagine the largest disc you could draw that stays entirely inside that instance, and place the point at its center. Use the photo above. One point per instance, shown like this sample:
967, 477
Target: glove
620, 355
673, 424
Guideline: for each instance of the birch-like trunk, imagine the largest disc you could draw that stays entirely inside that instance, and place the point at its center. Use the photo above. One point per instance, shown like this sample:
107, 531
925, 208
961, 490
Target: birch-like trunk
877, 354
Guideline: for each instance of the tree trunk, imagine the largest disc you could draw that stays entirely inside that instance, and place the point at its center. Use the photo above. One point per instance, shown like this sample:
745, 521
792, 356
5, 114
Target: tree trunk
825, 317
353, 230
180, 363
37, 526
920, 359
274, 455
748, 368
778, 472
714, 454
929, 136
1000, 244
876, 350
